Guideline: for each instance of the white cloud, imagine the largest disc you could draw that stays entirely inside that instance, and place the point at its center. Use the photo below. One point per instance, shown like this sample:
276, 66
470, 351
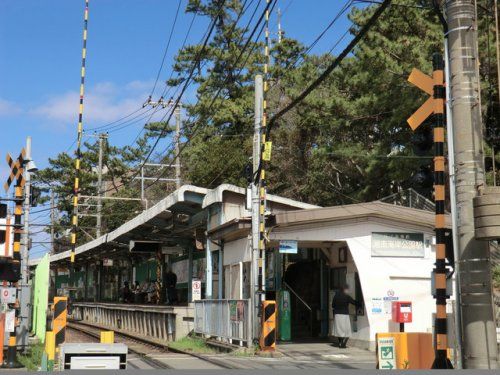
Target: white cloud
8, 108
103, 102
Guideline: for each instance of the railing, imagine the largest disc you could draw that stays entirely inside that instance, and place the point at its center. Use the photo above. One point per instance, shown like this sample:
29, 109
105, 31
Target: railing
290, 289
227, 320
156, 323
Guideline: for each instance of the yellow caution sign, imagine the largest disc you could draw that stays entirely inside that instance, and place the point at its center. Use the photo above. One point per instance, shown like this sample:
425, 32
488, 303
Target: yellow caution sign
268, 332
59, 320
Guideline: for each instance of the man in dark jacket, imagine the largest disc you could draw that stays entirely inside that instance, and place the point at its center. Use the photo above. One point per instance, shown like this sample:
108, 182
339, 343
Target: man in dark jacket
342, 321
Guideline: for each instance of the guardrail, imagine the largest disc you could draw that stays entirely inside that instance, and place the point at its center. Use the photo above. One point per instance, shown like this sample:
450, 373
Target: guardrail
228, 320
160, 323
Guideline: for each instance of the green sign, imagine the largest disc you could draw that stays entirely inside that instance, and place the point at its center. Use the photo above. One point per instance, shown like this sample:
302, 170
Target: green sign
386, 353
285, 316
41, 298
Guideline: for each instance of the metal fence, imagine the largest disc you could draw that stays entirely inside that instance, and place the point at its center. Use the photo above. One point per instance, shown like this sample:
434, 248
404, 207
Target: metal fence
151, 322
228, 320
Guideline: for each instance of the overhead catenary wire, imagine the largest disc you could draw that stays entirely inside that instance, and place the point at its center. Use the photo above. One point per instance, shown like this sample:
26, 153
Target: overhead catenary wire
336, 62
269, 5
166, 47
243, 50
176, 102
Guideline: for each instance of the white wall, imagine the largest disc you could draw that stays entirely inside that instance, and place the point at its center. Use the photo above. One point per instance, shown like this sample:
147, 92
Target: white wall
409, 278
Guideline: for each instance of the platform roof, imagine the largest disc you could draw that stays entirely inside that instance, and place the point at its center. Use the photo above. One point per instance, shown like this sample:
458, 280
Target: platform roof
168, 221
375, 209
217, 196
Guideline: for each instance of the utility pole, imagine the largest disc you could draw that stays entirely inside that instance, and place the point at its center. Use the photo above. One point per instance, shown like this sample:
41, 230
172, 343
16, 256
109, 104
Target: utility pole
52, 222
102, 137
478, 323
178, 181
257, 260
280, 32
25, 289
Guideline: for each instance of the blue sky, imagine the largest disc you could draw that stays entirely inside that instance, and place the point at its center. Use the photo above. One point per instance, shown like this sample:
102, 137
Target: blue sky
40, 57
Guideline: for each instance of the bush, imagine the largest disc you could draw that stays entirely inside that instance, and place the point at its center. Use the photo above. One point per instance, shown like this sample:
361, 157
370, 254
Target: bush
495, 274
33, 360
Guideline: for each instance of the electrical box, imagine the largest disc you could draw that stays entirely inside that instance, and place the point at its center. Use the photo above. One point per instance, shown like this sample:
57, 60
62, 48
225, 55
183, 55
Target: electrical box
90, 356
402, 312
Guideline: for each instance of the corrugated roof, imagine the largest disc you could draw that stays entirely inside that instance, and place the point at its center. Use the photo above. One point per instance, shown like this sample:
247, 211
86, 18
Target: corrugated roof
360, 210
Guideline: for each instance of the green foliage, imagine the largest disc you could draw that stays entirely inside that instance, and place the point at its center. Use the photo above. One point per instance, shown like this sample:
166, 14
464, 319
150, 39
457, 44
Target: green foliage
33, 360
191, 344
495, 274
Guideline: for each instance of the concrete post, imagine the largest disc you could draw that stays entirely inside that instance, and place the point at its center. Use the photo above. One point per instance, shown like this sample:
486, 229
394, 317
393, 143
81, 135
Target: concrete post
478, 324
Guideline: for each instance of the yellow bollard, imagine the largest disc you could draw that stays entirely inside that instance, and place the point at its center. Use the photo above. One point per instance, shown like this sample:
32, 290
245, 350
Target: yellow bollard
50, 349
107, 337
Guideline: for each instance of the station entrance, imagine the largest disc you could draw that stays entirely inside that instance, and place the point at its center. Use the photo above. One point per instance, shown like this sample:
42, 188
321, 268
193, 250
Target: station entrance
310, 278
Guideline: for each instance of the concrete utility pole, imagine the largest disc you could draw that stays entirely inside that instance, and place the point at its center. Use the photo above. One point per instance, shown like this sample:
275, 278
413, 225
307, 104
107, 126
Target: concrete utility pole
102, 137
23, 331
178, 181
257, 298
478, 323
52, 222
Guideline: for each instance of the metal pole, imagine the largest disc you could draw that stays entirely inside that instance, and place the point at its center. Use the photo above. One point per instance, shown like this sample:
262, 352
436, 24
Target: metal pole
478, 324
178, 181
498, 47
99, 187
454, 217
52, 222
493, 165
256, 298
25, 289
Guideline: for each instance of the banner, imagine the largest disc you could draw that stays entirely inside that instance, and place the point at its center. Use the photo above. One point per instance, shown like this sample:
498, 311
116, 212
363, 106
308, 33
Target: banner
41, 298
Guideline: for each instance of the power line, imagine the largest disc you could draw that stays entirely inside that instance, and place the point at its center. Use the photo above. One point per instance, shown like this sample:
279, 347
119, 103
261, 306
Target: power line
166, 48
331, 67
198, 125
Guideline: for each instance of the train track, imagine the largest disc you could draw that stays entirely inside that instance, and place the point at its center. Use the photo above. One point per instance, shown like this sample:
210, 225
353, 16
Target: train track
139, 348
143, 348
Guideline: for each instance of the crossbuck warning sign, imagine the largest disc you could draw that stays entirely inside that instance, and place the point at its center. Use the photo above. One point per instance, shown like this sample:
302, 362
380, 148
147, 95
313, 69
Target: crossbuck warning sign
386, 353
16, 170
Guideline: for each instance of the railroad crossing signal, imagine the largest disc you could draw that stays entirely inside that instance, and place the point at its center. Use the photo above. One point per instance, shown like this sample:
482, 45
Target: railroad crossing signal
426, 84
16, 170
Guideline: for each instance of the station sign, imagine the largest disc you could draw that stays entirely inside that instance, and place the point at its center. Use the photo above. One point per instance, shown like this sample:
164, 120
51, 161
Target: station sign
7, 295
396, 244
288, 247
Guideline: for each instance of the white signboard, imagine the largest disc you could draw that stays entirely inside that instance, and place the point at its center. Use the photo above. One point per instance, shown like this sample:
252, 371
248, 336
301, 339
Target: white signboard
10, 320
107, 262
388, 244
288, 247
196, 290
386, 353
7, 295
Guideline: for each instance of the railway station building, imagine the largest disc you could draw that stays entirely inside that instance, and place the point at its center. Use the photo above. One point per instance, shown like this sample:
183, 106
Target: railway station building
384, 252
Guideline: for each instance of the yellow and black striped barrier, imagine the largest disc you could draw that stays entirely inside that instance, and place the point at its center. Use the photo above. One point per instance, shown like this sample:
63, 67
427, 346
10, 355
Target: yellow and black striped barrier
268, 331
59, 320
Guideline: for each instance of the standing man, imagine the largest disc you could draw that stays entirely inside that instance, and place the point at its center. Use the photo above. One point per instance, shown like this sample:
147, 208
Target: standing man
171, 282
341, 319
